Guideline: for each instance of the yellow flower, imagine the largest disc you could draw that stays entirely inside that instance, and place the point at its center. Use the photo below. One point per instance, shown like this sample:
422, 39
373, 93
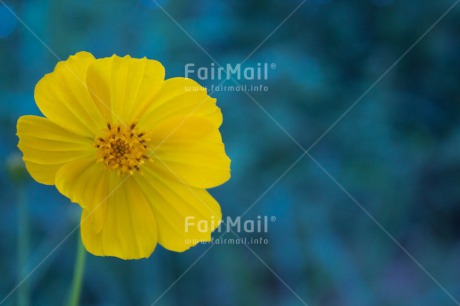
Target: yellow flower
135, 151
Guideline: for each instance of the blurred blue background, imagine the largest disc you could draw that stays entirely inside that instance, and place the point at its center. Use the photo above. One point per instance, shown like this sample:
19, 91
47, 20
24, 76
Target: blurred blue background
397, 152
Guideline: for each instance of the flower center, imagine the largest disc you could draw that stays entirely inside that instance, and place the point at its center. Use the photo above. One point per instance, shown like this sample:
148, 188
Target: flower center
123, 148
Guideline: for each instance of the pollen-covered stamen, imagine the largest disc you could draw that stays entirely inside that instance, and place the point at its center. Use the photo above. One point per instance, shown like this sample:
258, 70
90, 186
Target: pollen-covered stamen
123, 147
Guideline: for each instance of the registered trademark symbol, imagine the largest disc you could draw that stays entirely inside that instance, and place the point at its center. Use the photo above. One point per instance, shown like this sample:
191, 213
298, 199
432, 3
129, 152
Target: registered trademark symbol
273, 66
272, 218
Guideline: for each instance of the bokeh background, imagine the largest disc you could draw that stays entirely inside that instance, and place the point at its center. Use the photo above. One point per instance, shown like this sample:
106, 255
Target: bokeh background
397, 153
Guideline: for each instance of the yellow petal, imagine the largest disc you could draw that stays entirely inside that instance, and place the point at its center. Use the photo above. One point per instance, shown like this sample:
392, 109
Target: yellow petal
63, 96
83, 181
130, 229
185, 215
117, 218
126, 84
180, 97
47, 147
192, 149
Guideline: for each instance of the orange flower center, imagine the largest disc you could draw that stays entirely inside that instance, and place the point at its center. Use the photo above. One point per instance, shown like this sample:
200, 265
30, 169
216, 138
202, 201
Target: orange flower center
123, 148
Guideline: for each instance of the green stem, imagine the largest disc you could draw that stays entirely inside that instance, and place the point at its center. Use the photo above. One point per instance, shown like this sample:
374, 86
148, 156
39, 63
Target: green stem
79, 269
23, 246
